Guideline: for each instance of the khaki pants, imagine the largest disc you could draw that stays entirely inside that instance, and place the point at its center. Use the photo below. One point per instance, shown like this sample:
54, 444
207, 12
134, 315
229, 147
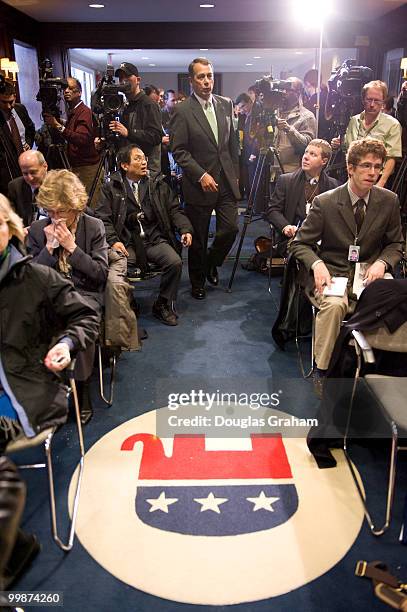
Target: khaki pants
332, 311
87, 174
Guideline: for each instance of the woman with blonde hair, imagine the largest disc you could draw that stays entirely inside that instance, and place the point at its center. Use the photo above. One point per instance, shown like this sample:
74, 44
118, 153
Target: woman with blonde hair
73, 243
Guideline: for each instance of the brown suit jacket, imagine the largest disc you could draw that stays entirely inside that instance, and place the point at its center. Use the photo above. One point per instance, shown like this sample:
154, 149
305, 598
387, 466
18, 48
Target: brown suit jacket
332, 221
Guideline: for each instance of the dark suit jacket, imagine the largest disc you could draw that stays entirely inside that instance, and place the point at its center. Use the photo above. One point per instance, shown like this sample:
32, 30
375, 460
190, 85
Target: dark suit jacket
12, 165
88, 261
288, 193
195, 149
20, 196
331, 220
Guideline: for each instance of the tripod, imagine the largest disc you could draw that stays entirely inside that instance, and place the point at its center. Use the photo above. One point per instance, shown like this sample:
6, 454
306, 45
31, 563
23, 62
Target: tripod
266, 161
56, 157
107, 165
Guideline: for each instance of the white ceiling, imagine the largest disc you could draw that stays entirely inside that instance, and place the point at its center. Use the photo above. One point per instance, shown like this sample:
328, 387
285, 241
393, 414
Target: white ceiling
188, 10
225, 60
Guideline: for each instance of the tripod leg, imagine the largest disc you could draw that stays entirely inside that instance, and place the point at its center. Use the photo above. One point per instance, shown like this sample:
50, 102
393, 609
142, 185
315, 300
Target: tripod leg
249, 213
97, 177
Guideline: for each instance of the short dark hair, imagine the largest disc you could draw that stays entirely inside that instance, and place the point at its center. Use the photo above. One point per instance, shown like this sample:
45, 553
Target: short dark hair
167, 92
149, 89
77, 83
8, 89
124, 154
198, 60
243, 97
366, 146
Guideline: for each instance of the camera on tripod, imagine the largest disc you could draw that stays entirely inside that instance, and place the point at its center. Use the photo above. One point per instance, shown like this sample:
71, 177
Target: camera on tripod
344, 92
272, 95
109, 102
51, 90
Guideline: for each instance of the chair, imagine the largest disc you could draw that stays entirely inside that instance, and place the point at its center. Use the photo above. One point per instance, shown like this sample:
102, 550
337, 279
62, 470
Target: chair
390, 393
45, 438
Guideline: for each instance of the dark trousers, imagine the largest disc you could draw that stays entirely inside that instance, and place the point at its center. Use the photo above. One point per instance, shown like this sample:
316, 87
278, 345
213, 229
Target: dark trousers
169, 262
199, 258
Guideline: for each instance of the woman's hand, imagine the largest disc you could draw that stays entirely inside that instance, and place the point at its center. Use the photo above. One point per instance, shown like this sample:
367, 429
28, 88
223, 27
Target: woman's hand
58, 357
64, 236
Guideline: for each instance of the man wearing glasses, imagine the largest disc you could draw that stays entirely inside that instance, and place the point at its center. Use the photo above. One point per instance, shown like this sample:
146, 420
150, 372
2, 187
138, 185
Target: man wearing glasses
373, 123
356, 222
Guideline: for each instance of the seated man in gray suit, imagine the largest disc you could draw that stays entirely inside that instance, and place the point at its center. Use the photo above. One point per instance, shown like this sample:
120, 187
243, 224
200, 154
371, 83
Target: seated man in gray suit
23, 190
356, 221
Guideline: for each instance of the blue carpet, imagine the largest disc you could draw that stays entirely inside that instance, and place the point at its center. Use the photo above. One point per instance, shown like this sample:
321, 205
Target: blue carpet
222, 341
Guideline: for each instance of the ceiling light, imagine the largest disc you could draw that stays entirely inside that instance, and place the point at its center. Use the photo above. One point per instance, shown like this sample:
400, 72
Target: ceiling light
204, 49
249, 64
145, 58
257, 57
206, 6
96, 6
152, 64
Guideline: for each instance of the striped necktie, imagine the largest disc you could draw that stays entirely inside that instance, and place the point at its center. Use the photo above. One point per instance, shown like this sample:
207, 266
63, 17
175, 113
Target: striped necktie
15, 135
135, 187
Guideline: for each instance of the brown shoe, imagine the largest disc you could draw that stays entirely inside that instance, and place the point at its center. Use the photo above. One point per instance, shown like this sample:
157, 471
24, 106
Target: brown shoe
162, 311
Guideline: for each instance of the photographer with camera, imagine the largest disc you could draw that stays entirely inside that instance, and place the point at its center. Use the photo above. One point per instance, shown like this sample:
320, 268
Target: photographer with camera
16, 133
296, 126
372, 122
78, 133
141, 120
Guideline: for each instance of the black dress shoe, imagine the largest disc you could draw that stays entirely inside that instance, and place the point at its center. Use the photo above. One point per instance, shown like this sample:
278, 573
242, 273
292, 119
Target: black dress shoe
212, 276
163, 312
198, 293
85, 403
26, 548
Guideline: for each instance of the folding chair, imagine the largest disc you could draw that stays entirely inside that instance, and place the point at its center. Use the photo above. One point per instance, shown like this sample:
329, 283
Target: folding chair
45, 438
390, 393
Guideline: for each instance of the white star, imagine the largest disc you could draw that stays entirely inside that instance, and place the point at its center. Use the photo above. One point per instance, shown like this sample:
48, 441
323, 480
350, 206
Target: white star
161, 503
262, 502
211, 502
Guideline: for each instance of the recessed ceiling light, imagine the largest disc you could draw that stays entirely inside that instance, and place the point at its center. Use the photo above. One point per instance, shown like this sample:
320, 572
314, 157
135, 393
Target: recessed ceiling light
151, 64
207, 6
257, 57
96, 6
204, 49
249, 64
145, 58
298, 53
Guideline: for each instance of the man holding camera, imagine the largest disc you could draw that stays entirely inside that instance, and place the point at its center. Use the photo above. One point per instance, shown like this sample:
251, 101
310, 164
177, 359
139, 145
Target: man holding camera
373, 123
296, 127
16, 133
140, 124
79, 133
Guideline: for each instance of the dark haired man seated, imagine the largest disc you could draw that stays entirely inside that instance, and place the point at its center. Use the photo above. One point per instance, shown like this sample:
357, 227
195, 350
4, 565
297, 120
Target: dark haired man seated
356, 222
141, 216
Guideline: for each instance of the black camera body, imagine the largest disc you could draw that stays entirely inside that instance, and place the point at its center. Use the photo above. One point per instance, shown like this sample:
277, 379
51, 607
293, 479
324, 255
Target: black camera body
273, 91
109, 101
51, 90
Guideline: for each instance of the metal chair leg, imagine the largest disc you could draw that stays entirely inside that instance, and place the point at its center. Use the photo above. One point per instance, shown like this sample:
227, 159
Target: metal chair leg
308, 373
108, 400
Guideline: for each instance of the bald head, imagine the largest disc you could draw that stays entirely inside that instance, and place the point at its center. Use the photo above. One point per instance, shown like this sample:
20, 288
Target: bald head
33, 168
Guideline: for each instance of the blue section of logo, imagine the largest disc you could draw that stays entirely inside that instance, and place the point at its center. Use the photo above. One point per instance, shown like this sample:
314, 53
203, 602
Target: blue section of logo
216, 510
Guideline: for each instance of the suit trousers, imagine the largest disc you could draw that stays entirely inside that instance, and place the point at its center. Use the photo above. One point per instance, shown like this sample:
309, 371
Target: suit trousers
167, 259
199, 257
332, 311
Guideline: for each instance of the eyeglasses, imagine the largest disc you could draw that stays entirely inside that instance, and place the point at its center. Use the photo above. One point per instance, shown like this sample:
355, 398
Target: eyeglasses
373, 101
368, 166
140, 158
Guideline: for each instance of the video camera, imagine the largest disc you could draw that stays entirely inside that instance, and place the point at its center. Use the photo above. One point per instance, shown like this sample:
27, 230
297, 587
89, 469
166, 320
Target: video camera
109, 101
344, 92
272, 94
51, 90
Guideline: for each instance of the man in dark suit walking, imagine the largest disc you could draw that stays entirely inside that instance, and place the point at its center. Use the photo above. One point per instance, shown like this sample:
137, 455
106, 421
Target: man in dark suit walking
16, 134
204, 144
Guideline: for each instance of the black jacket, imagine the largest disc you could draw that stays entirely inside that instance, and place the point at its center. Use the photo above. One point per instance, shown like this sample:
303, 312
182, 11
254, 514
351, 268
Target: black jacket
142, 118
9, 167
21, 199
288, 193
37, 308
114, 199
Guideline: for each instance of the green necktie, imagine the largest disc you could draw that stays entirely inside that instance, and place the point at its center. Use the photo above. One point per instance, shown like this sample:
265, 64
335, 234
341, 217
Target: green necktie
210, 115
